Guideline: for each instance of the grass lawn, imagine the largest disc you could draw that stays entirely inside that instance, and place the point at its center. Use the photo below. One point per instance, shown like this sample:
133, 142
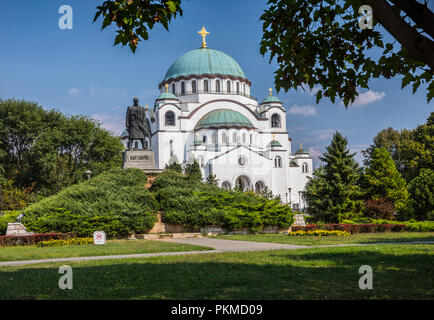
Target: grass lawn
112, 247
354, 238
399, 272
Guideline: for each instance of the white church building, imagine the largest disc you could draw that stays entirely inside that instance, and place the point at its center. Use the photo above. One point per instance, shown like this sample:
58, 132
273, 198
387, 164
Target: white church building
205, 112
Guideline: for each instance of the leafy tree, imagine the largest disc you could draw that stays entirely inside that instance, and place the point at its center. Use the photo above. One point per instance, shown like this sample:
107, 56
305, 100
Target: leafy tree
421, 204
333, 194
379, 208
315, 42
319, 43
49, 150
212, 180
192, 171
382, 180
411, 150
175, 166
134, 18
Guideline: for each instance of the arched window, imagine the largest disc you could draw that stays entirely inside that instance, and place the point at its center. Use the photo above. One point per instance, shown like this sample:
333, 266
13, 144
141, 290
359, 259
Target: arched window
251, 138
224, 138
170, 118
193, 86
173, 88
244, 137
235, 137
213, 138
278, 162
238, 88
171, 148
204, 139
182, 87
228, 85
304, 168
259, 187
217, 86
244, 88
275, 121
226, 185
205, 86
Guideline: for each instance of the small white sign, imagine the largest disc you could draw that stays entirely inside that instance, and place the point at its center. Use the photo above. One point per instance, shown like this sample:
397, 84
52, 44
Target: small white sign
99, 237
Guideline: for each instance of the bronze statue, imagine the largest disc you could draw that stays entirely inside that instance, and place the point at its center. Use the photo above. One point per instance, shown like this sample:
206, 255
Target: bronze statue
138, 124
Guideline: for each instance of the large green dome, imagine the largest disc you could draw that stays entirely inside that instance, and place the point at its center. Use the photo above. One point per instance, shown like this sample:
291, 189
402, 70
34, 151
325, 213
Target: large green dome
224, 118
204, 61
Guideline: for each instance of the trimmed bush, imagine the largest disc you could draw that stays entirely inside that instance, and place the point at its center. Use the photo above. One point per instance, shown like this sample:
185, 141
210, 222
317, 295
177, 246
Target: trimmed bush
318, 233
115, 201
354, 228
31, 239
196, 204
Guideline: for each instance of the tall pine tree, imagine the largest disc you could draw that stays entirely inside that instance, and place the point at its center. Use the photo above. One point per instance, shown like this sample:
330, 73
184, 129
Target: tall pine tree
333, 194
382, 180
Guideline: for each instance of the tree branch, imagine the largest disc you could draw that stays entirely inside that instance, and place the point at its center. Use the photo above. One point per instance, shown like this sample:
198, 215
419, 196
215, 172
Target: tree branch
418, 46
419, 13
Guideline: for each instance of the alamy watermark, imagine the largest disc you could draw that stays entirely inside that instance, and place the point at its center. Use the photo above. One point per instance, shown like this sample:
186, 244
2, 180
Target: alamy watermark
65, 281
65, 21
365, 281
366, 21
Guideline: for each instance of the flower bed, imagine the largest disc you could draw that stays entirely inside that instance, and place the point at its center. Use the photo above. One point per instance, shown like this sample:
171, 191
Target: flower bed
65, 242
318, 233
353, 228
31, 239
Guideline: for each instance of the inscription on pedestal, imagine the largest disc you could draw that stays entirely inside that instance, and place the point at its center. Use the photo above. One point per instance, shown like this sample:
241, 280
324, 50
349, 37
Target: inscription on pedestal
140, 159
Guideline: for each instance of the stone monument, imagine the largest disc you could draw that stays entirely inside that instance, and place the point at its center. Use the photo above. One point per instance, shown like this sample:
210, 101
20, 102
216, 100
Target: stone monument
139, 130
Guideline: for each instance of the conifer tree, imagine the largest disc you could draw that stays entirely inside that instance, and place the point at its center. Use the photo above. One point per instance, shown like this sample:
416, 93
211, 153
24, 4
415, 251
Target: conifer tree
212, 180
192, 171
382, 180
333, 194
421, 203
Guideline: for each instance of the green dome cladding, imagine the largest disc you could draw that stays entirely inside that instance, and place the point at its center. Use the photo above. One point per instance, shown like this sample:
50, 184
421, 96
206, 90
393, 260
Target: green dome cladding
204, 61
269, 99
167, 95
224, 118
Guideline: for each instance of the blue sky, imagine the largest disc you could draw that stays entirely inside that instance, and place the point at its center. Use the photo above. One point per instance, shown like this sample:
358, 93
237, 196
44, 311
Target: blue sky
80, 72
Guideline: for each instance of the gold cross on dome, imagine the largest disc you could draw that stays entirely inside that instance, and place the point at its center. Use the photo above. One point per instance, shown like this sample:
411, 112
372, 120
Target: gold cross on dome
270, 91
301, 146
167, 87
146, 106
203, 33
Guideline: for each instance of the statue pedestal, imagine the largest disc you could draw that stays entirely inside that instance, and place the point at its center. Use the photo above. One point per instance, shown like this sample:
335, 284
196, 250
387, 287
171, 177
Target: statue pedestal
140, 159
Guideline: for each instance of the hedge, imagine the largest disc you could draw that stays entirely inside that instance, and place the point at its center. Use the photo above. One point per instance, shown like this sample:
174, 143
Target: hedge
31, 239
353, 228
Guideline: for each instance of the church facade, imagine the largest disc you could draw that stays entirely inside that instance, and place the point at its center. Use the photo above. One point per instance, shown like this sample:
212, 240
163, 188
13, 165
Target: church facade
205, 113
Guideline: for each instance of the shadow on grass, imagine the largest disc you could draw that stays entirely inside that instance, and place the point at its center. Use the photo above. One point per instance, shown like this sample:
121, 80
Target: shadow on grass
280, 274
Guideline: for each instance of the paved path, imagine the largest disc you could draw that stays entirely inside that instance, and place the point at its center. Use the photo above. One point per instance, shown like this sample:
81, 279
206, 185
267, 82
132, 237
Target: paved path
219, 244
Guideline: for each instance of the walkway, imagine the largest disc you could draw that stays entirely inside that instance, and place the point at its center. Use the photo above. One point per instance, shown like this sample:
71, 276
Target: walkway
219, 244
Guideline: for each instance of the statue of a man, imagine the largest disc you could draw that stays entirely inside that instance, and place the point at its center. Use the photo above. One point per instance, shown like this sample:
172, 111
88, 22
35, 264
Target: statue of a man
138, 124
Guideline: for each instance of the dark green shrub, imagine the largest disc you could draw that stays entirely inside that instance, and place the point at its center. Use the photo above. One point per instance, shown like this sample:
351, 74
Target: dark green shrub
197, 204
115, 201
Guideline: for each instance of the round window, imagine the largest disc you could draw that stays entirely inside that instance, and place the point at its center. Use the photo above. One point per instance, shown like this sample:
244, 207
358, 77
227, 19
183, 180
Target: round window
242, 161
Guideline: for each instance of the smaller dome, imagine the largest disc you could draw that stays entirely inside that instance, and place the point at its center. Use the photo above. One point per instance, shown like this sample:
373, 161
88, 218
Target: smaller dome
224, 118
275, 143
271, 99
301, 151
167, 95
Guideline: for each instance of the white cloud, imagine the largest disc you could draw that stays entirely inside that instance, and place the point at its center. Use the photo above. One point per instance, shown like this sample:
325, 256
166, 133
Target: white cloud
113, 123
323, 134
304, 110
367, 98
73, 91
